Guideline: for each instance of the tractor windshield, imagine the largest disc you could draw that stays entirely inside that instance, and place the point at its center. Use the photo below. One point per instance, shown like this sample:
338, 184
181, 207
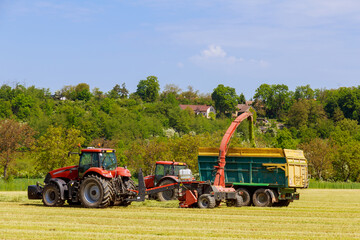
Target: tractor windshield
177, 169
108, 160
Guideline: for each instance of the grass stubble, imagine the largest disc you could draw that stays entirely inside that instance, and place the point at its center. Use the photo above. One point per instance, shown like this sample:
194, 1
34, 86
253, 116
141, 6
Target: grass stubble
319, 214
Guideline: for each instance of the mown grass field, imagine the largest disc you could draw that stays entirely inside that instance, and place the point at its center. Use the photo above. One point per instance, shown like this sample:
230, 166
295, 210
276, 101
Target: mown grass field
319, 214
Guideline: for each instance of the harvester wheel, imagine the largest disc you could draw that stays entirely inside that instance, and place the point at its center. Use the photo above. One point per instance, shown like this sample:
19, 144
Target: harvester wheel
237, 202
206, 201
51, 196
244, 193
95, 192
261, 198
168, 194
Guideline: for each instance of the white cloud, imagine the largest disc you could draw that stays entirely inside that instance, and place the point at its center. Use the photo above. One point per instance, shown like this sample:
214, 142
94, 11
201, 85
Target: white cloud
215, 54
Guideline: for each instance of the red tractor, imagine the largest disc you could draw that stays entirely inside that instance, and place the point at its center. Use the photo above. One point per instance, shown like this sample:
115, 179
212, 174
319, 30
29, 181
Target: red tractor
96, 182
166, 172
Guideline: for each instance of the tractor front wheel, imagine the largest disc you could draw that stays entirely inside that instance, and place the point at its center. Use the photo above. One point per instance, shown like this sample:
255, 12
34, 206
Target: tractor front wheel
95, 192
206, 201
51, 196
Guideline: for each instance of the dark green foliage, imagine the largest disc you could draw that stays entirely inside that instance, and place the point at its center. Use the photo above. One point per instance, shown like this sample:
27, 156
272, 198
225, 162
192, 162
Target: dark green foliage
144, 126
225, 99
148, 90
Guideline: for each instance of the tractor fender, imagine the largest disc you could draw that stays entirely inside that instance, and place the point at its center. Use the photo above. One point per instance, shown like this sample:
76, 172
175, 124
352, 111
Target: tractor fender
99, 171
62, 186
171, 178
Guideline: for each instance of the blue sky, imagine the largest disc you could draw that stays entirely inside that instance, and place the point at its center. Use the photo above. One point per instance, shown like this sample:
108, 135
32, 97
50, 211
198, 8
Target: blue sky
202, 43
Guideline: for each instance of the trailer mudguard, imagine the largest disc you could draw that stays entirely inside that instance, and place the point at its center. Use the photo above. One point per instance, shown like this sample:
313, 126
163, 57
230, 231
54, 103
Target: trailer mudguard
62, 186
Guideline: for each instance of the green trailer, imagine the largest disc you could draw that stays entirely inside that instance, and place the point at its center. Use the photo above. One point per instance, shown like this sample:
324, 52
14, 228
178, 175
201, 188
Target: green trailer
263, 176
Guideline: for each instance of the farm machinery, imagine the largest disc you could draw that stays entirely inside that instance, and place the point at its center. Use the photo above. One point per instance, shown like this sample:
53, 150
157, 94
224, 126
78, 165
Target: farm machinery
98, 182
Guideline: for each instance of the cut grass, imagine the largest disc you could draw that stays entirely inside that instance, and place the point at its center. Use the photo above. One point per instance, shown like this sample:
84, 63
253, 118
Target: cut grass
319, 214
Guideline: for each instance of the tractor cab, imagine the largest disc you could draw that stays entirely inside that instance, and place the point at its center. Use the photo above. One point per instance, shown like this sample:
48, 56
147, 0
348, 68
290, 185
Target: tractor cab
97, 157
167, 168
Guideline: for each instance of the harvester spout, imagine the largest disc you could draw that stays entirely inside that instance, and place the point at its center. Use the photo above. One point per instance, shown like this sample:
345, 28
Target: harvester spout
220, 173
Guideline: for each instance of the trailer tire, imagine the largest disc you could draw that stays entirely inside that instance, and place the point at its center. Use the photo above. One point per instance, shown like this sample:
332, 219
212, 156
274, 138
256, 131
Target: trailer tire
261, 198
95, 192
206, 201
168, 194
244, 193
51, 196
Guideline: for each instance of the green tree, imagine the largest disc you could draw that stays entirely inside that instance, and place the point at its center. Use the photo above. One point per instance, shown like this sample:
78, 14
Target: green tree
318, 153
148, 89
225, 99
82, 92
284, 139
118, 92
53, 147
14, 138
304, 92
242, 99
276, 99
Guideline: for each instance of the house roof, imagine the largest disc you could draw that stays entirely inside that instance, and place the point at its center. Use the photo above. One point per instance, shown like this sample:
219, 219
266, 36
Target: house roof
195, 108
243, 107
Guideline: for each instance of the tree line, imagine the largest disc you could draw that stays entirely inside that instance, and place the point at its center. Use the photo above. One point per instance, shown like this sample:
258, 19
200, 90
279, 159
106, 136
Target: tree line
148, 125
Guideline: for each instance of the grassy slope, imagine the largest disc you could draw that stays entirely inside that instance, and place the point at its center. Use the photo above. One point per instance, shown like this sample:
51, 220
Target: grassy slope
320, 214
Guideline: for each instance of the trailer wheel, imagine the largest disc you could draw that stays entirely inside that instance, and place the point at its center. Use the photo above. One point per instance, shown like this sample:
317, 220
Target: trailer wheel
261, 198
237, 202
95, 192
206, 201
244, 193
51, 196
167, 195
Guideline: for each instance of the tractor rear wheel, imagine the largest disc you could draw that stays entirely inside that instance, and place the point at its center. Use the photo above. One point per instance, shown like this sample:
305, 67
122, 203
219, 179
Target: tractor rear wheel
244, 193
167, 195
261, 198
95, 192
206, 201
51, 196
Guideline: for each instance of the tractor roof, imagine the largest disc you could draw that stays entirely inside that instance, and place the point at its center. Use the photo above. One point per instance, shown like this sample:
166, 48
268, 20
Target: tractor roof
170, 163
97, 150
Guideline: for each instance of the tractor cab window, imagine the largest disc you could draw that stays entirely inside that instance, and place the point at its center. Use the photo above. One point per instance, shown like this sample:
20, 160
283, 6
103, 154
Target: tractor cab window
108, 160
159, 172
168, 170
88, 160
177, 169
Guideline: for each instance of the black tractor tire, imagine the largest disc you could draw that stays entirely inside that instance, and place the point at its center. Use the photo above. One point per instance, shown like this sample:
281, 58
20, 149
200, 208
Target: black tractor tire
51, 196
261, 198
168, 194
206, 201
95, 192
237, 202
281, 203
246, 197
